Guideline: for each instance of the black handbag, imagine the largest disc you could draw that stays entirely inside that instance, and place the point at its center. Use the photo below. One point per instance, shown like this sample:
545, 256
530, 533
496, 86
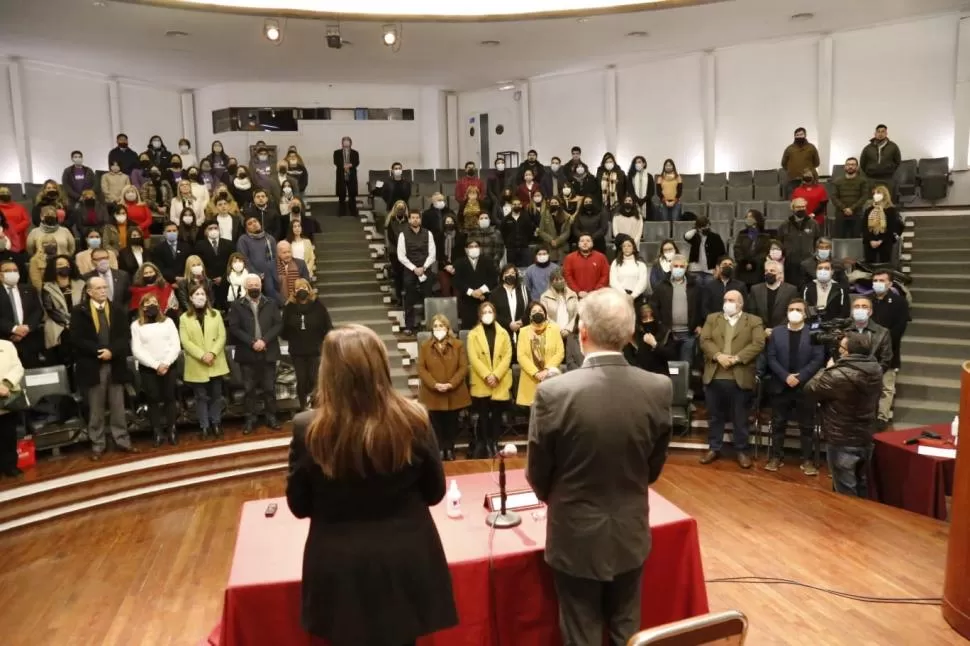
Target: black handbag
15, 402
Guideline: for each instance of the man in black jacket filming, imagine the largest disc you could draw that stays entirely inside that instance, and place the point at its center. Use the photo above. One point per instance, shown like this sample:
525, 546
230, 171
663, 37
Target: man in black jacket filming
848, 391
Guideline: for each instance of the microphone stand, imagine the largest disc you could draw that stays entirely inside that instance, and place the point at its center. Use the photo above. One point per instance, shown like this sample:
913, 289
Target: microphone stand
502, 519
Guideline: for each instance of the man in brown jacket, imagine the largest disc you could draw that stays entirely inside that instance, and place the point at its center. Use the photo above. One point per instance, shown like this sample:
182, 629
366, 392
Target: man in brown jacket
731, 341
797, 157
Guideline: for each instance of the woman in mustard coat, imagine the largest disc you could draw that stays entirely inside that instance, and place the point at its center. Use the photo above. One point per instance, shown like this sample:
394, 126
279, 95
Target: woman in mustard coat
490, 358
540, 353
443, 368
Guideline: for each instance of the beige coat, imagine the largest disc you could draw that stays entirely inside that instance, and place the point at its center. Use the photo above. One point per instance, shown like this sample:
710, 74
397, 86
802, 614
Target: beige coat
11, 370
113, 187
85, 265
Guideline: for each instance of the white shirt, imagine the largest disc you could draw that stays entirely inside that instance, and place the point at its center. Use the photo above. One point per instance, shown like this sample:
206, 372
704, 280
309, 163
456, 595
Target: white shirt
629, 275
822, 294
153, 344
402, 255
602, 353
18, 306
732, 320
510, 294
236, 287
188, 160
138, 253
562, 313
299, 249
225, 226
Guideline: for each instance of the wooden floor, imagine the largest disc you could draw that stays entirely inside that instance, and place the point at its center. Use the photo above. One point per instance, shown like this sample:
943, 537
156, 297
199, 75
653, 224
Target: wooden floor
152, 571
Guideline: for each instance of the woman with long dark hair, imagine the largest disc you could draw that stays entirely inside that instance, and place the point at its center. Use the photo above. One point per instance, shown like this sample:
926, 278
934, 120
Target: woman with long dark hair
670, 188
364, 468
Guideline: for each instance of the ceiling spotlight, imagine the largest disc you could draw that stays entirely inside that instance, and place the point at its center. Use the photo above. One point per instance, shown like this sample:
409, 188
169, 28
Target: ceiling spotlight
490, 43
506, 87
390, 35
802, 16
637, 34
582, 20
272, 31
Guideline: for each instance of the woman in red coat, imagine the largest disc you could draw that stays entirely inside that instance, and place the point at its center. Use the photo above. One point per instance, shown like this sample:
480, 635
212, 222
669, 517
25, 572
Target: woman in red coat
138, 212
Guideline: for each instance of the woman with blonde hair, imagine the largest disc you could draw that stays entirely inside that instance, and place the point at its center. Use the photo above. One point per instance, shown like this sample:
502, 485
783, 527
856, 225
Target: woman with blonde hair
221, 192
442, 369
155, 345
53, 195
306, 322
540, 351
149, 280
203, 336
883, 227
185, 203
193, 278
490, 359
364, 468
394, 225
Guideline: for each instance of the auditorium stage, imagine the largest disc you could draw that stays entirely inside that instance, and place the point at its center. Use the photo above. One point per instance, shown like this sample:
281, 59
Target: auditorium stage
153, 571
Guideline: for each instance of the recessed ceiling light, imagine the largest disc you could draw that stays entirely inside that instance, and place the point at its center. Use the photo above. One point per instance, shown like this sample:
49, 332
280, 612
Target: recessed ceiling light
803, 16
637, 34
582, 20
506, 87
99, 3
174, 33
490, 43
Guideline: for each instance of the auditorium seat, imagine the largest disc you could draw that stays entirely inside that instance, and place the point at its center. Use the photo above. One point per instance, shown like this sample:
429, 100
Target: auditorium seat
847, 248
417, 202
838, 170
777, 210
738, 226
934, 178
649, 251
767, 192
427, 189
679, 229
448, 188
740, 193
31, 191
766, 177
749, 205
692, 180
375, 175
723, 229
52, 381
728, 627
721, 211
446, 175
415, 189
713, 193
681, 404
16, 191
740, 178
656, 231
691, 194
423, 176
715, 179
441, 305
697, 208
772, 224
380, 206
905, 178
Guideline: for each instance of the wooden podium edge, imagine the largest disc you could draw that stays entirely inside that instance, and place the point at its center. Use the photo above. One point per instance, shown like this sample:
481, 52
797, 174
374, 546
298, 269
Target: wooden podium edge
956, 585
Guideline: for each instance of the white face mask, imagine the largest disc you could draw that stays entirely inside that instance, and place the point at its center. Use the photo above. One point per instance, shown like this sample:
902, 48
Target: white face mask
638, 166
11, 278
609, 165
499, 166
506, 209
213, 234
440, 334
397, 172
474, 252
795, 317
188, 219
287, 190
120, 218
199, 300
541, 258
484, 224
554, 167
488, 318
196, 270
775, 254
730, 308
131, 197
438, 204
263, 158
237, 267
183, 149
877, 198
669, 255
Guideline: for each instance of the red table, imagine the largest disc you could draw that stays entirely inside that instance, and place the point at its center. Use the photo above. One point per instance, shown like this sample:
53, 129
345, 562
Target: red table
262, 602
902, 478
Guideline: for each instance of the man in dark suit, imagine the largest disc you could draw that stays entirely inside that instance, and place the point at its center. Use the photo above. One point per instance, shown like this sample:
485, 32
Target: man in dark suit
825, 297
769, 300
713, 291
21, 315
396, 189
731, 342
475, 275
171, 253
214, 252
101, 340
792, 360
676, 304
118, 282
592, 465
346, 160
254, 325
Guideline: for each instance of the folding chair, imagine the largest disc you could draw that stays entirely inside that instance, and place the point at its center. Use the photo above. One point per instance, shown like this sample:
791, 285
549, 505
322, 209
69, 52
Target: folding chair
423, 175
680, 406
749, 205
768, 192
934, 178
446, 175
715, 180
740, 193
728, 628
766, 177
740, 178
691, 180
656, 231
713, 193
697, 208
52, 381
721, 211
442, 305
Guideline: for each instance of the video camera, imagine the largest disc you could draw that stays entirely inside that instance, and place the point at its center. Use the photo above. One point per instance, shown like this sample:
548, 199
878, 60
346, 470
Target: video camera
829, 333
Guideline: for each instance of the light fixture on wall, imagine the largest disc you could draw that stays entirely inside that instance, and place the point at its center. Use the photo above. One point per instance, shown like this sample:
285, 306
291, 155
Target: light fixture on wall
801, 17
333, 37
637, 34
505, 87
273, 31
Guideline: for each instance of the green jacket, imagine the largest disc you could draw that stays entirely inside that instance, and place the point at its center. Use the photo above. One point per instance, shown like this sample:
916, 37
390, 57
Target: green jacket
876, 161
850, 192
797, 158
196, 342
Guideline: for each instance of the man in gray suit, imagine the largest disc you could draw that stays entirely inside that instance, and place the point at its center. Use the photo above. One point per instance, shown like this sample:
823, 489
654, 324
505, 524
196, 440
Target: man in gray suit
598, 437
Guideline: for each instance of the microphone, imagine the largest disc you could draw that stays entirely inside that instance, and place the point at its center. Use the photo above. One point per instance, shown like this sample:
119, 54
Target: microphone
503, 519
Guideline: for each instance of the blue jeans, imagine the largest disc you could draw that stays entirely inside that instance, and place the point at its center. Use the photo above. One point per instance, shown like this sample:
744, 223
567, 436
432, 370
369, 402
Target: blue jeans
208, 402
687, 342
849, 466
669, 213
726, 401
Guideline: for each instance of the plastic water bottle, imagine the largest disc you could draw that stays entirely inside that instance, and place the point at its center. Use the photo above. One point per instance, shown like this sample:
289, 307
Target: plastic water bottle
955, 429
454, 500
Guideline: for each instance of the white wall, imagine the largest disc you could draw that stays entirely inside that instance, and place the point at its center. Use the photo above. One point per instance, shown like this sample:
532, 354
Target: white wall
904, 75
9, 164
416, 144
502, 109
147, 111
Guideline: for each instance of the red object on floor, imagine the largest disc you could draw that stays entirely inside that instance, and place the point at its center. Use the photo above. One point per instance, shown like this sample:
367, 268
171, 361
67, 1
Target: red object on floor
26, 453
262, 602
900, 477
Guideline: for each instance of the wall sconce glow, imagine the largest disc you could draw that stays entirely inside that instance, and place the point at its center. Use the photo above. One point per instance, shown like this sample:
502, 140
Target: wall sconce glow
401, 10
390, 35
271, 29
506, 87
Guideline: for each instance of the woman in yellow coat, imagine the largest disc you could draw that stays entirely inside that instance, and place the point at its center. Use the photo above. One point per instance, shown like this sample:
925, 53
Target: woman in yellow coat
540, 352
490, 358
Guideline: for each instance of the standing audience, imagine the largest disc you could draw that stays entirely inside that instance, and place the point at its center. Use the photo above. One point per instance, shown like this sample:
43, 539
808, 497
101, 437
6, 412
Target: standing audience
156, 346
203, 336
442, 371
306, 323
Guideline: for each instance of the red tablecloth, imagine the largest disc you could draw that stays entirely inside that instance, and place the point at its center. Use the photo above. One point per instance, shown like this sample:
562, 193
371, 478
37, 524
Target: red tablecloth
902, 478
262, 602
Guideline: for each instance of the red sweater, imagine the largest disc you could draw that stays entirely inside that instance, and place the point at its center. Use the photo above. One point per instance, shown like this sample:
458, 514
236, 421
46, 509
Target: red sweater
18, 221
463, 185
141, 216
814, 195
586, 273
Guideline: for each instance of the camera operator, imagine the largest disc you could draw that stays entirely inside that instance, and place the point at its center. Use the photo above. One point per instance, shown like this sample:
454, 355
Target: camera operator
826, 297
891, 311
848, 391
881, 347
792, 360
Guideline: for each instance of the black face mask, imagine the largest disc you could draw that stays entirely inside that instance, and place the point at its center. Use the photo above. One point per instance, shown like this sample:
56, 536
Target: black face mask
511, 279
470, 172
507, 197
151, 311
253, 293
63, 272
770, 279
295, 210
516, 209
627, 208
176, 166
50, 221
554, 208
5, 198
302, 294
727, 272
50, 195
89, 201
134, 242
156, 175
50, 250
799, 140
122, 145
589, 209
538, 318
807, 179
449, 226
801, 214
146, 164
149, 278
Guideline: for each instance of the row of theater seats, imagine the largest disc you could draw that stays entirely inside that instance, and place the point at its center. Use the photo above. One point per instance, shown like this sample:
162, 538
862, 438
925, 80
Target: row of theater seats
53, 382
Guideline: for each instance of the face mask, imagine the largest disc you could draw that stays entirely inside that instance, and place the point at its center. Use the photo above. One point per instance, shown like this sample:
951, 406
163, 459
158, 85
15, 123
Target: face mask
499, 167
669, 255
171, 236
554, 167
542, 258
397, 172
156, 144
860, 315
801, 214
302, 294
149, 278
628, 207
122, 144
145, 164
823, 254
877, 198
516, 209
538, 318
196, 270
94, 243
438, 204
131, 197
50, 249
217, 149
770, 279
807, 179
750, 223
188, 220
484, 224
668, 169
527, 179
50, 220
470, 172
156, 174
176, 165
580, 171
287, 190
63, 272
488, 318
880, 287
134, 241
511, 279
78, 161
795, 317
727, 272
183, 149
824, 275
11, 278
554, 208
102, 266
559, 285
237, 267
799, 139
253, 293
263, 158
440, 334
199, 300
589, 209
449, 226
115, 169
89, 201
506, 209
730, 308
609, 165
638, 166
566, 192
678, 272
151, 312
775, 254
474, 252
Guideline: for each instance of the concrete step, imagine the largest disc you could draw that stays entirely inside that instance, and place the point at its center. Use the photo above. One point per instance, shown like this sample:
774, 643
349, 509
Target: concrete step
341, 265
345, 253
333, 285
934, 367
946, 243
942, 280
920, 387
344, 237
352, 313
919, 412
352, 300
944, 265
961, 233
929, 224
937, 347
921, 311
941, 329
942, 295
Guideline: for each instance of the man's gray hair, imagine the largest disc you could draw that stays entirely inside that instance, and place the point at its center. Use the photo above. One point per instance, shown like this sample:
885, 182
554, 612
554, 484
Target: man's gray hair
679, 257
823, 240
252, 277
608, 317
777, 265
